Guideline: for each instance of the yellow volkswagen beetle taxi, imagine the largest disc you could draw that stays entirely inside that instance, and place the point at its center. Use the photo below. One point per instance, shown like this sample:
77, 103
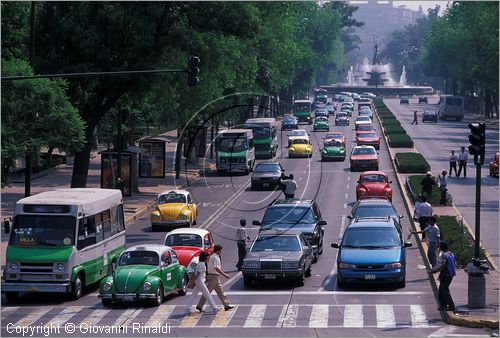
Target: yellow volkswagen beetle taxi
174, 208
300, 147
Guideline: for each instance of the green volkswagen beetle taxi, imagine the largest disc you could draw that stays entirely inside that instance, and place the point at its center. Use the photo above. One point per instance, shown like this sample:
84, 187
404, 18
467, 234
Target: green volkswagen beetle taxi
333, 150
321, 123
145, 272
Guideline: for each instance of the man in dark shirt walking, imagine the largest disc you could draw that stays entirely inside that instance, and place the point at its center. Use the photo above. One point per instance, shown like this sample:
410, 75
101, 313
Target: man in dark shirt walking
415, 118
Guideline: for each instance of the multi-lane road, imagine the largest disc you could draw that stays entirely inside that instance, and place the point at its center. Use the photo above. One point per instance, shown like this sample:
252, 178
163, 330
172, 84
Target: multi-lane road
318, 308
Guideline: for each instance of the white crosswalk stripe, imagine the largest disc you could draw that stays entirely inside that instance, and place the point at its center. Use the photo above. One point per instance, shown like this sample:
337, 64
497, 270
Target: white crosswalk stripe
243, 315
255, 316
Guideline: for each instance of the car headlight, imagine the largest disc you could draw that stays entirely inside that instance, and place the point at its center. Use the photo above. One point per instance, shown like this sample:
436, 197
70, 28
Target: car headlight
106, 286
183, 216
397, 265
324, 151
14, 266
386, 192
291, 149
155, 215
222, 160
251, 264
290, 265
60, 266
342, 151
146, 286
346, 266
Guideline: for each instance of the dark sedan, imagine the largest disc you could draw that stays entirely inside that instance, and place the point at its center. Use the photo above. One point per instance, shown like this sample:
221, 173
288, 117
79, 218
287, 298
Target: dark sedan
266, 175
342, 119
423, 99
278, 254
289, 123
430, 116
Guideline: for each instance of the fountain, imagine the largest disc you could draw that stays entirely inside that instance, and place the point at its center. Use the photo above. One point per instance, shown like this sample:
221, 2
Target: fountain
350, 77
402, 79
376, 73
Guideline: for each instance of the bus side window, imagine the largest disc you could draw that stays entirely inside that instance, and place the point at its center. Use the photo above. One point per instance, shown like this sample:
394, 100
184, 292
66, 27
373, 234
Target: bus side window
86, 232
106, 223
117, 223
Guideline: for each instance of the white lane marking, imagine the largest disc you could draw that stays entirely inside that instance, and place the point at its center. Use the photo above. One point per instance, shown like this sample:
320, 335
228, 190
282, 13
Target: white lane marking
223, 318
230, 280
347, 186
353, 315
190, 320
161, 315
348, 178
288, 316
127, 316
345, 205
385, 316
418, 318
65, 315
444, 331
319, 316
256, 315
300, 178
8, 310
32, 317
334, 268
337, 293
346, 195
95, 316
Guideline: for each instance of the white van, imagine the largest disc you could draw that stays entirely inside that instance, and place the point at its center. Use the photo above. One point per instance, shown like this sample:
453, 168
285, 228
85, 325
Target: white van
451, 107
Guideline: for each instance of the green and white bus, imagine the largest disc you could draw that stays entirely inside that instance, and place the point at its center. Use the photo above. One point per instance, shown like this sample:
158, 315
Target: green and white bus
264, 136
63, 240
302, 110
235, 151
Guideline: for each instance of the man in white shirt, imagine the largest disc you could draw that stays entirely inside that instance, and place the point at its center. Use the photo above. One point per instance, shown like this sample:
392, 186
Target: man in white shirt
213, 279
290, 187
241, 238
463, 157
453, 163
423, 211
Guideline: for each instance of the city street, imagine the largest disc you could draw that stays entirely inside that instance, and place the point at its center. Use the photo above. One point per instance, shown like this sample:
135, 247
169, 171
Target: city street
270, 309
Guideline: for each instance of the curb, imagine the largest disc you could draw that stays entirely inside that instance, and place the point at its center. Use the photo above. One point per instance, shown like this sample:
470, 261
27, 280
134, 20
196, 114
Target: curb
448, 316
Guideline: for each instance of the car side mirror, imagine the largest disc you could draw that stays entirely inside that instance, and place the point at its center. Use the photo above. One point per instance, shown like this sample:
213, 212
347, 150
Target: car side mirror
256, 223
390, 181
401, 216
335, 245
349, 216
322, 222
357, 182
6, 225
408, 244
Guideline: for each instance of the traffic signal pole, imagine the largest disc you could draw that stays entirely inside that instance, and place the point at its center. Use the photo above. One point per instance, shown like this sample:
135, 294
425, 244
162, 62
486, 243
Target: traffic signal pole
478, 214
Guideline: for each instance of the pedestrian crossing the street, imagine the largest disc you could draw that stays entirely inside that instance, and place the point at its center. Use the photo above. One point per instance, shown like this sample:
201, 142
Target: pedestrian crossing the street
382, 316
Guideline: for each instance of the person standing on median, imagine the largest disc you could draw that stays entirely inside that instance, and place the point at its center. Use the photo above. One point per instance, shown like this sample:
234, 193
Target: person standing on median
433, 236
427, 184
241, 238
443, 186
213, 279
446, 269
423, 211
453, 163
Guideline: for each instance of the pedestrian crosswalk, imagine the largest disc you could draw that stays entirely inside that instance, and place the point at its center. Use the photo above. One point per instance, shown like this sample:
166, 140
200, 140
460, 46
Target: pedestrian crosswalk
382, 316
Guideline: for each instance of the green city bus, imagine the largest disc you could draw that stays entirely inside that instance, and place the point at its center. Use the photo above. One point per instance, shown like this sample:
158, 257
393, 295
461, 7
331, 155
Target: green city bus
302, 110
264, 136
63, 240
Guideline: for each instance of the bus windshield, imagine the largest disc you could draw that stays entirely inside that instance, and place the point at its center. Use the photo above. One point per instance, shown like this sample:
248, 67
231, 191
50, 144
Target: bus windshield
233, 144
302, 106
454, 101
260, 132
42, 230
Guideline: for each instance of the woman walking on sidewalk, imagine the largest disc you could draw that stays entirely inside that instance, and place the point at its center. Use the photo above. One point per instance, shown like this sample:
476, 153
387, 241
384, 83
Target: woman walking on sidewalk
200, 279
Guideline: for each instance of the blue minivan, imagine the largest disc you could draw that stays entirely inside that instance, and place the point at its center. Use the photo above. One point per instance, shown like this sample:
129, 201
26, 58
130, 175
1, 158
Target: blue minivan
372, 250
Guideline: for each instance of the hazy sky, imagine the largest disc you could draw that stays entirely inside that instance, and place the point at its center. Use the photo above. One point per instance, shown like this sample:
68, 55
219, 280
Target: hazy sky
425, 4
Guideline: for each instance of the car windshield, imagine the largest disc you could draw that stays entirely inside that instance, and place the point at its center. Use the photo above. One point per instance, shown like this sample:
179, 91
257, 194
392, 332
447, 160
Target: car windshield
321, 119
300, 132
42, 230
334, 135
267, 167
300, 141
231, 144
276, 243
139, 258
339, 115
289, 120
370, 210
362, 118
365, 127
373, 178
362, 135
333, 143
172, 198
184, 240
288, 215
362, 237
364, 151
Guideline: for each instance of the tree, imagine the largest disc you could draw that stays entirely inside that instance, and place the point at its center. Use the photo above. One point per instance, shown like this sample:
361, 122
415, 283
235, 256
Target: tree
35, 114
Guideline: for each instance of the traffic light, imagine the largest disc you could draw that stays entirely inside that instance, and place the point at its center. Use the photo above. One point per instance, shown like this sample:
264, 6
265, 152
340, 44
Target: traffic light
477, 140
193, 71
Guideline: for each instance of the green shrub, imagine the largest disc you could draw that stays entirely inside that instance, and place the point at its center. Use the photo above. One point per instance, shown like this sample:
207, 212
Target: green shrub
411, 163
391, 122
400, 141
387, 115
394, 129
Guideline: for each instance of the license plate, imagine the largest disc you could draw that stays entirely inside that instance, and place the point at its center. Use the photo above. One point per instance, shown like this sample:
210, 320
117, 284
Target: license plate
265, 184
33, 289
370, 277
128, 297
269, 276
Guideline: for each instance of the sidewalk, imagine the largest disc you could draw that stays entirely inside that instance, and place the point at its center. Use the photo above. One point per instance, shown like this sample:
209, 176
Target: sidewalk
464, 316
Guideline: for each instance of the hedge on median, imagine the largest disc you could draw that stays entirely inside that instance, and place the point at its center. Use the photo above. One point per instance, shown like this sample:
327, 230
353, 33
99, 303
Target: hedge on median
400, 141
411, 163
393, 129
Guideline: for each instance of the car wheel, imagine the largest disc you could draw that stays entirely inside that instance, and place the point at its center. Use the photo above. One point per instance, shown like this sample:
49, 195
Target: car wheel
77, 287
308, 271
154, 228
107, 302
247, 281
11, 296
184, 284
159, 295
402, 284
301, 280
340, 283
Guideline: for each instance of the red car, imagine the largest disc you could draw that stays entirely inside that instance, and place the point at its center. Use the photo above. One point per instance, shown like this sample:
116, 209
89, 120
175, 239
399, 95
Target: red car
374, 183
368, 138
364, 157
494, 166
336, 135
188, 243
